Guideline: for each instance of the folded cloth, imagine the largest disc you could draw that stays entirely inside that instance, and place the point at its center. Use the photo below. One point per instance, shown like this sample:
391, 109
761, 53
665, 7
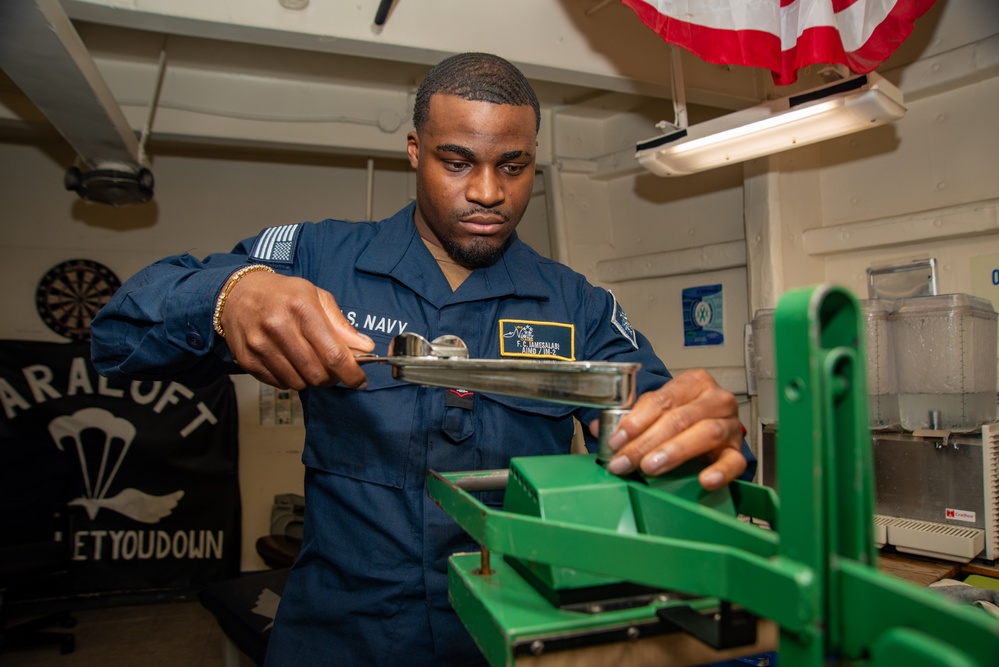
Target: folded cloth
986, 598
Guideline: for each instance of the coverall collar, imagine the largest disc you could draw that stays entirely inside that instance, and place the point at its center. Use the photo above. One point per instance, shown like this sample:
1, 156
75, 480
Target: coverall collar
397, 251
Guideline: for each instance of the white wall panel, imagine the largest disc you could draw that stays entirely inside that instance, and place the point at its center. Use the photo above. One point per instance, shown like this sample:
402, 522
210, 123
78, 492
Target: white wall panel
653, 214
942, 153
655, 307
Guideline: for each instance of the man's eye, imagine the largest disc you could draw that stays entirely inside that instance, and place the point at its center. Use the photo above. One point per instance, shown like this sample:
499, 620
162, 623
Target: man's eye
454, 166
513, 169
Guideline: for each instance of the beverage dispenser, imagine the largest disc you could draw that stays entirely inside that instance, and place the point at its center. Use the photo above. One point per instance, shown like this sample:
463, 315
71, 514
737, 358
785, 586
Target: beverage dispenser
945, 359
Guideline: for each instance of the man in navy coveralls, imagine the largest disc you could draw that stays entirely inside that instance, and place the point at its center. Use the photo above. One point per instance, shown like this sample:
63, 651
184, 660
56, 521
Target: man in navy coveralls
293, 305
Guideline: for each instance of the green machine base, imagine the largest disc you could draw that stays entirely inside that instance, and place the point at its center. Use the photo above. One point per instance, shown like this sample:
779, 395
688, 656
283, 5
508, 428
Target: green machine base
513, 623
537, 600
528, 607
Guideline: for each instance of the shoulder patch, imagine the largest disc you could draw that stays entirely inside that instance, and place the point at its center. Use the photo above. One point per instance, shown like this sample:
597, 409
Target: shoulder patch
620, 321
276, 244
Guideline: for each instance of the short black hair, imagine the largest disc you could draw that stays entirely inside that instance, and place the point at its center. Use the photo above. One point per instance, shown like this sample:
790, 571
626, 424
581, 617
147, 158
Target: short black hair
478, 77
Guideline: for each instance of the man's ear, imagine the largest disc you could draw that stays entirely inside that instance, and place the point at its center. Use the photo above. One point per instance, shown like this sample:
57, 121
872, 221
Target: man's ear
413, 149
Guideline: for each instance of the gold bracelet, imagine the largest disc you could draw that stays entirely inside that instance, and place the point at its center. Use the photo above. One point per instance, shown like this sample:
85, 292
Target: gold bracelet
224, 294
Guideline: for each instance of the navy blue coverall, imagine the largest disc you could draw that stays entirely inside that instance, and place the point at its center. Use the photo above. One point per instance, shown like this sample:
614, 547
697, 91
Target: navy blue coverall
370, 585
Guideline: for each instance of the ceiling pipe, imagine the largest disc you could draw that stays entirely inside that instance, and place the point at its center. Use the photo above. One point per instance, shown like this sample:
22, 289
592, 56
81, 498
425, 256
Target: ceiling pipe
39, 47
157, 89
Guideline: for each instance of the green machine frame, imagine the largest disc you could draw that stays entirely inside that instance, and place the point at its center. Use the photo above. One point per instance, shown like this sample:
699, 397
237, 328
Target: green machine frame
578, 556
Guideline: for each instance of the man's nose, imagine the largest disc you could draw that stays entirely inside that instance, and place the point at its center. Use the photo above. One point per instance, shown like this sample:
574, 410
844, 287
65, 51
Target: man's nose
485, 188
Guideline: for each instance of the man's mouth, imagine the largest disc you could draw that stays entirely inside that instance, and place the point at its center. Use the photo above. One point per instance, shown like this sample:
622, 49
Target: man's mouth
483, 223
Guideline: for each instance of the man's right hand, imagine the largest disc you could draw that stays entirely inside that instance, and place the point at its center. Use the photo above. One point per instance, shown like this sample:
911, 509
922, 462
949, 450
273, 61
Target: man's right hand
288, 333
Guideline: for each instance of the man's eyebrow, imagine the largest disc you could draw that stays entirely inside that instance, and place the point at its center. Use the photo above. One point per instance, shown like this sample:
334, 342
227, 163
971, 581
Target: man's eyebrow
469, 154
463, 151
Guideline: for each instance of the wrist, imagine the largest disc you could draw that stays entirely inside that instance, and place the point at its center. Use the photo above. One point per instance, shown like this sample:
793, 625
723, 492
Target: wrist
230, 283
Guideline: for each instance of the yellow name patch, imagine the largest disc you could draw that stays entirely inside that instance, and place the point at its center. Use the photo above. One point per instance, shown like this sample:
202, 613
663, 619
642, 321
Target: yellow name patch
537, 340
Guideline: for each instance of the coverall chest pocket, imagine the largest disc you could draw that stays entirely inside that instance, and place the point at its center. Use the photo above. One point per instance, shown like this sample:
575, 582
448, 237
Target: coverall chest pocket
459, 422
364, 435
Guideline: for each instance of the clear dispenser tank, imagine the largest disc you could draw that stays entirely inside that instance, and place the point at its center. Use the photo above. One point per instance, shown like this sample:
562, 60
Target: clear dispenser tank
945, 359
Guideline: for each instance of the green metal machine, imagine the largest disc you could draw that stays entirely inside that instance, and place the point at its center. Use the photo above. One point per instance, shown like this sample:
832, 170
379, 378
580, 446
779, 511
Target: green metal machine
580, 558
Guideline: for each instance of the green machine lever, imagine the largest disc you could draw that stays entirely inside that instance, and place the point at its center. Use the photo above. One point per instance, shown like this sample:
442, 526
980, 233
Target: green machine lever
589, 557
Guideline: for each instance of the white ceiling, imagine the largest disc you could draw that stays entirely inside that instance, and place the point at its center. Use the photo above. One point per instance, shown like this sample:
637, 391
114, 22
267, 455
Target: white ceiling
323, 78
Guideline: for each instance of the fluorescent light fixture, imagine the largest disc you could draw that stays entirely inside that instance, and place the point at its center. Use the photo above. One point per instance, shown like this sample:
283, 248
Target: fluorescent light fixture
831, 111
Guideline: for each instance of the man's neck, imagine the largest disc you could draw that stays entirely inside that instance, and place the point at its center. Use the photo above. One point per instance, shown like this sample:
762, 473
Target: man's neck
453, 271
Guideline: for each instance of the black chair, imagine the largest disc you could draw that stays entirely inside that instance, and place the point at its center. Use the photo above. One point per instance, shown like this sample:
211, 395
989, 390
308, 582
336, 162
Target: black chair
245, 607
278, 551
280, 548
20, 566
35, 485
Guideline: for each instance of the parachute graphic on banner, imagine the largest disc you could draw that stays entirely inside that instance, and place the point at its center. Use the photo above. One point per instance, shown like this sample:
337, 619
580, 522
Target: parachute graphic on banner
143, 474
118, 435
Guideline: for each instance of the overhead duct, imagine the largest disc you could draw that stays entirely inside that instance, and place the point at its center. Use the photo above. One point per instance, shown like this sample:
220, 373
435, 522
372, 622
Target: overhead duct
42, 53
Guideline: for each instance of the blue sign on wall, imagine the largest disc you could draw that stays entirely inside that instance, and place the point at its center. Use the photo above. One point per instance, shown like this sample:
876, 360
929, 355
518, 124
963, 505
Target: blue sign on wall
702, 316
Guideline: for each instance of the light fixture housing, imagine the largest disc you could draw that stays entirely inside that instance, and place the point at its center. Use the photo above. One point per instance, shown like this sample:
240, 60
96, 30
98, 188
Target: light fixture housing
826, 112
112, 183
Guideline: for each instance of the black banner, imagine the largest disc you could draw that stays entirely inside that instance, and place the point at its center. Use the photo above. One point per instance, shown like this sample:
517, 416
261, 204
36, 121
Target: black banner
148, 470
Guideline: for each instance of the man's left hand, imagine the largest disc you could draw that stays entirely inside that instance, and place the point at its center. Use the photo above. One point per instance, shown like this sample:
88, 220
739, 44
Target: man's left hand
687, 417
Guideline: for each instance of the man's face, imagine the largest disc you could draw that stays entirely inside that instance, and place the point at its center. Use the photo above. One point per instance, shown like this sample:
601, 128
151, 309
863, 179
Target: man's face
474, 166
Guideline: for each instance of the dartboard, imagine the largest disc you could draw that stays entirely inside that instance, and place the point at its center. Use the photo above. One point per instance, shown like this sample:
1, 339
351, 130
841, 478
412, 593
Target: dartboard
71, 293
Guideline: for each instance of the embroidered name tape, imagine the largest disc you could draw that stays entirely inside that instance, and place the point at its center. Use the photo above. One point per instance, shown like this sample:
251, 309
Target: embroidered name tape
276, 244
537, 340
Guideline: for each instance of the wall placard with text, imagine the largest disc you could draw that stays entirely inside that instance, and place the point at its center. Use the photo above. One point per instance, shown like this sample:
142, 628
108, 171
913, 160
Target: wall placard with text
703, 323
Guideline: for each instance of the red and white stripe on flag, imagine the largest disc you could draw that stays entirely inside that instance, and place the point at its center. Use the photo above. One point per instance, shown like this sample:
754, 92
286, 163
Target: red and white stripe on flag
784, 35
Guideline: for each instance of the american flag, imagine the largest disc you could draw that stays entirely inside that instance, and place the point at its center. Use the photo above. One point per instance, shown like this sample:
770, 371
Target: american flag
784, 35
275, 244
